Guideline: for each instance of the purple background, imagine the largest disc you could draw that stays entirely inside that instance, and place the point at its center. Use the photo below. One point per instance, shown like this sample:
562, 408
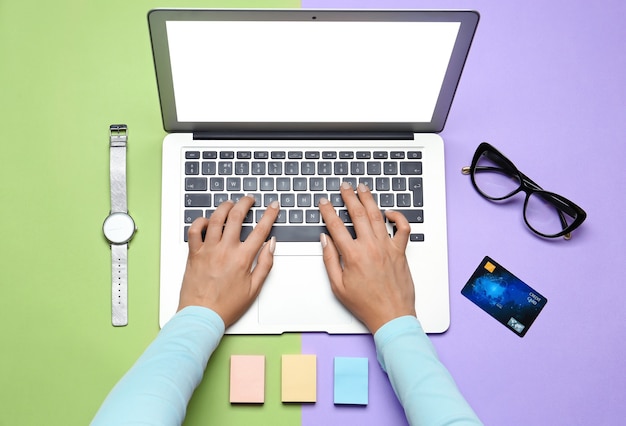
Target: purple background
544, 83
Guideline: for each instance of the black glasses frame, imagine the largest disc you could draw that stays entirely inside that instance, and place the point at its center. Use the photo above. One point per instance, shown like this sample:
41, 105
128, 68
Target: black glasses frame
527, 185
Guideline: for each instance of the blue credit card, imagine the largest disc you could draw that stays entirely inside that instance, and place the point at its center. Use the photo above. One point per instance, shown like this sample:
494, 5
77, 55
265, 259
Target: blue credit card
504, 296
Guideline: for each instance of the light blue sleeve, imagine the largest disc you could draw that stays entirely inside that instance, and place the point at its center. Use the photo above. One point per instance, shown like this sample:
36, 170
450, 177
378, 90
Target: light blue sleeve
423, 385
157, 389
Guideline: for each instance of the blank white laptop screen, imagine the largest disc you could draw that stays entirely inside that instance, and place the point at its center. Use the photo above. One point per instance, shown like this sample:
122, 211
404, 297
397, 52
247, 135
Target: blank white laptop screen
279, 71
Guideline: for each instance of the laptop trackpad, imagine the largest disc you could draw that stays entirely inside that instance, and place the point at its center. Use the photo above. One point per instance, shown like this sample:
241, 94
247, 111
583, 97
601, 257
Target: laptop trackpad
297, 293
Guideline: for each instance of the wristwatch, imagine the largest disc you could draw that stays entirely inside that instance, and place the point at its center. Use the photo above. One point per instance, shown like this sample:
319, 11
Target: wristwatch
118, 227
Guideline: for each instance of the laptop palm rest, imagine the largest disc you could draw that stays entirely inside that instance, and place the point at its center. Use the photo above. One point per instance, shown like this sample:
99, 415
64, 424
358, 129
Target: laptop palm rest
296, 296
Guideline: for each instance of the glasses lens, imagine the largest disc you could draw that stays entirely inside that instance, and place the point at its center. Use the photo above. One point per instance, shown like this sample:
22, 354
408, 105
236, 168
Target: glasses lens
494, 177
547, 214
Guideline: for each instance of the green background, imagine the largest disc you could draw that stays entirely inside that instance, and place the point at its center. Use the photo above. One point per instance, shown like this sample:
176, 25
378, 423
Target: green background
69, 69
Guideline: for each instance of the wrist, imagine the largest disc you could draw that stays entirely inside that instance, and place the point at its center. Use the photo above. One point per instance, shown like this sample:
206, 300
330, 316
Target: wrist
375, 324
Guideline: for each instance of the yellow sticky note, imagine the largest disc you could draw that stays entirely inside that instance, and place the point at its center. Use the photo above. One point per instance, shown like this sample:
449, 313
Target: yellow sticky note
490, 267
299, 378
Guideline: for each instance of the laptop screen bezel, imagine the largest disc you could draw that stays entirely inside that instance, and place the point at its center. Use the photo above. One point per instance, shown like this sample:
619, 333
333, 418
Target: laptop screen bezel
158, 18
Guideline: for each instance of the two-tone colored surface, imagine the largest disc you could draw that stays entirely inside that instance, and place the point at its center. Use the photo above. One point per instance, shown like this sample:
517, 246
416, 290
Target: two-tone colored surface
543, 83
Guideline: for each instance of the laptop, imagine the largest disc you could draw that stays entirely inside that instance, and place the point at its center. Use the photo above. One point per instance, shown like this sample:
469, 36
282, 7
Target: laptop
288, 104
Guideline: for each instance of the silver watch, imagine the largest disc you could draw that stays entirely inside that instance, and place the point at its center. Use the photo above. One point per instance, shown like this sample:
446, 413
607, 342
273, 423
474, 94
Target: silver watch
118, 227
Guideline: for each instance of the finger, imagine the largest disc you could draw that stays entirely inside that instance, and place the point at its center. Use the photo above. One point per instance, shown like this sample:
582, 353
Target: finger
335, 226
403, 228
332, 263
216, 222
357, 212
197, 228
262, 229
264, 264
232, 230
376, 218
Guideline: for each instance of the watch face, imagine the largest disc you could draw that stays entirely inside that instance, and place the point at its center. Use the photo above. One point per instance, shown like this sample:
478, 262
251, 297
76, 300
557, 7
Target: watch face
118, 228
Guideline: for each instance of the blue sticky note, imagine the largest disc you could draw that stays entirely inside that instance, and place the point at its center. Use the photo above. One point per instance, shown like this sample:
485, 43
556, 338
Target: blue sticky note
351, 381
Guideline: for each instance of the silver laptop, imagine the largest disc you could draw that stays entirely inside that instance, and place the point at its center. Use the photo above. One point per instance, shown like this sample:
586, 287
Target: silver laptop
286, 105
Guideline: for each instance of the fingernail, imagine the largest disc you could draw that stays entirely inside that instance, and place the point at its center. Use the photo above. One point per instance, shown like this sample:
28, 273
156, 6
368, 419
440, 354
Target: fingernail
323, 201
274, 204
362, 187
323, 240
346, 185
272, 244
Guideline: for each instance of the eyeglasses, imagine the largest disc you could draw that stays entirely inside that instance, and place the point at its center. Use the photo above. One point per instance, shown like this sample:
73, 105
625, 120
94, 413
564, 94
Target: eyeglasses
496, 178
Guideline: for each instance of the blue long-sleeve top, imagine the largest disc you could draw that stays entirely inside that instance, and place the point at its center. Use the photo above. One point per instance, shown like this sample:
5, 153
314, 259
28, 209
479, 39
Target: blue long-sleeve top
157, 389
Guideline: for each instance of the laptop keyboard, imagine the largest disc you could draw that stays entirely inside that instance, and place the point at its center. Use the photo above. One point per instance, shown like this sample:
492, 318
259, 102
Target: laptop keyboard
298, 180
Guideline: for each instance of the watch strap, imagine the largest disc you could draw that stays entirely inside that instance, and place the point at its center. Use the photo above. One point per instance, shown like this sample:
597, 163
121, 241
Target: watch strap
119, 285
117, 164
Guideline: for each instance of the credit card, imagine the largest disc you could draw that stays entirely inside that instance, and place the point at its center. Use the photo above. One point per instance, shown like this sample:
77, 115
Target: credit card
504, 296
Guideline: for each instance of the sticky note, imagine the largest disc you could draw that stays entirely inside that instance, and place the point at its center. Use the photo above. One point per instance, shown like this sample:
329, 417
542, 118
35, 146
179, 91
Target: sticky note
299, 378
247, 379
351, 381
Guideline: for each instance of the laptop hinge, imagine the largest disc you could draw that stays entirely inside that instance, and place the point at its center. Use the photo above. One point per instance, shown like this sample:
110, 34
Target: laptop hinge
221, 135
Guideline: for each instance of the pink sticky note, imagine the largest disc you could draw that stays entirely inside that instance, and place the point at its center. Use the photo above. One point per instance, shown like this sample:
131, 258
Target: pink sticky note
247, 379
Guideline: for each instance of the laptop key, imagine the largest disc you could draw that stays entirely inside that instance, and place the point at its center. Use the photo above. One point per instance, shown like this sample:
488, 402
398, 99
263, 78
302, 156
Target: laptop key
192, 155
192, 168
346, 155
197, 200
225, 168
332, 184
233, 184
296, 155
307, 168
390, 167
373, 167
301, 233
275, 168
258, 168
312, 216
249, 184
287, 200
357, 167
410, 167
217, 184
341, 168
324, 168
413, 216
195, 184
219, 199
191, 215
403, 200
296, 216
300, 184
304, 200
242, 167
398, 184
209, 167
415, 185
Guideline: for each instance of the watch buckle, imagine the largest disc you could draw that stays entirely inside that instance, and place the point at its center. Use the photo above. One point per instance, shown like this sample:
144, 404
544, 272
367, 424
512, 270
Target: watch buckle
118, 135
